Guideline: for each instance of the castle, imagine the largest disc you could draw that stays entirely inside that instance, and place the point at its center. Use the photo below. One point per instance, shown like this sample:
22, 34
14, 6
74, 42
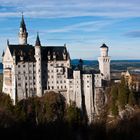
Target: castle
33, 70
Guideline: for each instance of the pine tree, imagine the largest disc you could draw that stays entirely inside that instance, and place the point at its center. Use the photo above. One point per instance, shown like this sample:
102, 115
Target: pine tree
123, 94
131, 100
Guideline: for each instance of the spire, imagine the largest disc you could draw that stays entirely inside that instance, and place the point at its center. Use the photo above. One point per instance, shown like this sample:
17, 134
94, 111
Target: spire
104, 46
3, 54
37, 43
7, 42
23, 34
22, 23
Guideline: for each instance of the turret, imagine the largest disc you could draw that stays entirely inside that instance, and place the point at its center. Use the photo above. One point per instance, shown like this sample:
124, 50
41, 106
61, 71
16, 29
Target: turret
49, 56
104, 50
23, 34
64, 54
104, 62
38, 67
54, 56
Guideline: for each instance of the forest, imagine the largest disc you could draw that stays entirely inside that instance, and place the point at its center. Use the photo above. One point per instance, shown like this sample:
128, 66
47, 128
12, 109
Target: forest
48, 117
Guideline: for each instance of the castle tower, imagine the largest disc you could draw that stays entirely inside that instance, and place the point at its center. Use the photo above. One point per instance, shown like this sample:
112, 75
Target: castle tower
23, 34
104, 62
38, 67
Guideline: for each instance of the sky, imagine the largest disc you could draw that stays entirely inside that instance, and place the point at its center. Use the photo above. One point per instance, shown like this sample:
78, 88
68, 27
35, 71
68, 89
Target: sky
83, 25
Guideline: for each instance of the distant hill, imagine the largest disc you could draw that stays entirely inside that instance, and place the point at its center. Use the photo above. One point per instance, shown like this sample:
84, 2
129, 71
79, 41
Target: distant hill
115, 64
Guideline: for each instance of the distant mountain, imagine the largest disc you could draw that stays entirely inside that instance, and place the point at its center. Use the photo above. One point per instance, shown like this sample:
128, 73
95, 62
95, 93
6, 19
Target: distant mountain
85, 62
115, 64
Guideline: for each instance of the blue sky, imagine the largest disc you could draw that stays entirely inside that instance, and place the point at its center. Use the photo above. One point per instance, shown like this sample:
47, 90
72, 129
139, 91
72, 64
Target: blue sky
82, 24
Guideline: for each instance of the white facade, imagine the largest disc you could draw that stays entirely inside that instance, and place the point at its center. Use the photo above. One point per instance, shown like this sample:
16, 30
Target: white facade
104, 62
32, 70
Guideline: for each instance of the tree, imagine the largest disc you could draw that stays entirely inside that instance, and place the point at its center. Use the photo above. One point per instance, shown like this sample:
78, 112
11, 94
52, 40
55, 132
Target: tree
131, 100
5, 101
114, 92
123, 94
73, 114
53, 106
114, 109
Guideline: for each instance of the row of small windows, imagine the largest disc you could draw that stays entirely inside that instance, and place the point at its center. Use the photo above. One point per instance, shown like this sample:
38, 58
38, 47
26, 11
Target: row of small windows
19, 84
58, 76
30, 65
57, 82
57, 65
56, 70
106, 60
58, 87
26, 78
24, 72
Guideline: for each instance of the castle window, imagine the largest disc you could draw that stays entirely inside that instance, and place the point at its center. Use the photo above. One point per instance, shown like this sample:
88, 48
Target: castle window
52, 76
48, 87
19, 78
23, 66
57, 87
25, 78
64, 81
18, 66
52, 70
57, 82
60, 81
87, 81
61, 87
52, 87
65, 87
19, 72
19, 85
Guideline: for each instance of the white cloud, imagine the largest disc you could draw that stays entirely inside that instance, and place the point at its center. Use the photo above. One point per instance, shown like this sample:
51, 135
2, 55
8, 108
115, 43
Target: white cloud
73, 8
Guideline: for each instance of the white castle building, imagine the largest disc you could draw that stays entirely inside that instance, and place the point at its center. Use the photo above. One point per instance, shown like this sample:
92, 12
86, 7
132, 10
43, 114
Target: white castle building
33, 70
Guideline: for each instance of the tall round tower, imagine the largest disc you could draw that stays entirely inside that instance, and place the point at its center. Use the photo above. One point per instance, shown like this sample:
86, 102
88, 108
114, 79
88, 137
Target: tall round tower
23, 34
38, 67
104, 62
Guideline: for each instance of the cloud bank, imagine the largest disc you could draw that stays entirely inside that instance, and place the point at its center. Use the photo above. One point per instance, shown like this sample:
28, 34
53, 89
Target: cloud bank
72, 8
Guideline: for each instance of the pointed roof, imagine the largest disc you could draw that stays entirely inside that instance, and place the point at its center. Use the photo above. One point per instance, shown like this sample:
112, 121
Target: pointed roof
3, 54
22, 23
104, 46
7, 42
37, 43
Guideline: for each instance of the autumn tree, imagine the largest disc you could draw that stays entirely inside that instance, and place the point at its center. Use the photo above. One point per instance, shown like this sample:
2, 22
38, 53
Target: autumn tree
53, 106
123, 94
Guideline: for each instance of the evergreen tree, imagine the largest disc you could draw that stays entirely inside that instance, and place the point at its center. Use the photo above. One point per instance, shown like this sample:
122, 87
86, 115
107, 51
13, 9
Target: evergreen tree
114, 93
114, 108
73, 114
53, 106
131, 100
123, 94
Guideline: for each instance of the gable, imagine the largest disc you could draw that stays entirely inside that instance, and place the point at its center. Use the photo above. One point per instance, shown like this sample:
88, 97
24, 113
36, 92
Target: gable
7, 56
